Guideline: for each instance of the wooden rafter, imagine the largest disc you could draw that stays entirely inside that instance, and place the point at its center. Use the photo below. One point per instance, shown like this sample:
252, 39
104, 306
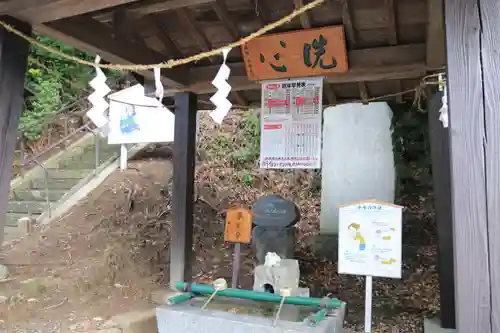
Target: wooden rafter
94, 37
392, 32
363, 92
435, 35
50, 10
348, 24
157, 26
220, 9
123, 27
330, 94
261, 11
190, 23
152, 6
392, 29
305, 19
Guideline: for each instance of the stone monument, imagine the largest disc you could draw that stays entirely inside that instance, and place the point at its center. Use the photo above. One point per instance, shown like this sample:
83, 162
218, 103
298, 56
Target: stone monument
274, 218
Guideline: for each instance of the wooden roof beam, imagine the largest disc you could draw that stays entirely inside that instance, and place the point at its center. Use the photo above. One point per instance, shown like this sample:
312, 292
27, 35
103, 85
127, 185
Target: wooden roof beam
435, 35
143, 8
94, 37
40, 11
239, 80
374, 64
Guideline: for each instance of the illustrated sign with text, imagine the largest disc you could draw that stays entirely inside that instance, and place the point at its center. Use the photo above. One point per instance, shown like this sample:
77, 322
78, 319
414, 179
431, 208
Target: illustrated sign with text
291, 118
370, 239
312, 52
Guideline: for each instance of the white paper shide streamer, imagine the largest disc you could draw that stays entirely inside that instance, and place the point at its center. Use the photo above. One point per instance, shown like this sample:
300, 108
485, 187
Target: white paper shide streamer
443, 112
158, 85
219, 99
99, 105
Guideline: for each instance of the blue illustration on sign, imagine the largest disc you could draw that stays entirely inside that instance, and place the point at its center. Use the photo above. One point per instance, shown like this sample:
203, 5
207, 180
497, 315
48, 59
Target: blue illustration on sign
128, 123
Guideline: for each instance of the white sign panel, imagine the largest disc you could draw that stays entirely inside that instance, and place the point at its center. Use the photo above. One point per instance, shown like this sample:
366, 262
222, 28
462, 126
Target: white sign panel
139, 124
136, 118
291, 117
370, 239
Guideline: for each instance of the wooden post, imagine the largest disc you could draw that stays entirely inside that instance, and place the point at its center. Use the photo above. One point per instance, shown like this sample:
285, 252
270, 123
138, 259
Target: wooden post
13, 61
441, 173
184, 154
472, 36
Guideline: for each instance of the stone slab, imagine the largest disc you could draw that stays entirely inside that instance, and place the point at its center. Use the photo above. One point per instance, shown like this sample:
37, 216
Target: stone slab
286, 275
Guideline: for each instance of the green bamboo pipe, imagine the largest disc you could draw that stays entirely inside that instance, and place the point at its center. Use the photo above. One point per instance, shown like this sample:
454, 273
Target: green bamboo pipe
207, 289
315, 319
184, 297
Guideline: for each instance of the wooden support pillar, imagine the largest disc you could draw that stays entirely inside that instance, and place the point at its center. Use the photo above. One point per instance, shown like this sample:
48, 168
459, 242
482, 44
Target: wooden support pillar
13, 61
441, 174
184, 156
472, 39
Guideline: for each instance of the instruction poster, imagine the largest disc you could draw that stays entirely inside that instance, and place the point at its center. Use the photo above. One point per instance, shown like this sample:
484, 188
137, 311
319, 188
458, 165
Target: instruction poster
291, 118
370, 239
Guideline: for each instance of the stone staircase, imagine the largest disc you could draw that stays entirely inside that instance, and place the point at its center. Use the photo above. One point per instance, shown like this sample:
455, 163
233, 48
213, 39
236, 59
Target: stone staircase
57, 180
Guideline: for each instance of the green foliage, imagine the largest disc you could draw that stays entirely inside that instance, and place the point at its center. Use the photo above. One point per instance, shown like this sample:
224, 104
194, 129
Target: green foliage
41, 106
250, 148
411, 151
54, 83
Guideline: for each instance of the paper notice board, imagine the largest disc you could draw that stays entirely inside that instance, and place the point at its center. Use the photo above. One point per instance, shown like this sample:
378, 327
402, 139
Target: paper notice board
291, 119
370, 239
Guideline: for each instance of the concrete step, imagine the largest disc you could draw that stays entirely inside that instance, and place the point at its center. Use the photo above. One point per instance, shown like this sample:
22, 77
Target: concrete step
69, 173
86, 160
12, 218
53, 183
27, 207
11, 233
36, 195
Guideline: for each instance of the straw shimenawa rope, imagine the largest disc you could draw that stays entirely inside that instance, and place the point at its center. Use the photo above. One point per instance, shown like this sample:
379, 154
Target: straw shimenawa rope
173, 62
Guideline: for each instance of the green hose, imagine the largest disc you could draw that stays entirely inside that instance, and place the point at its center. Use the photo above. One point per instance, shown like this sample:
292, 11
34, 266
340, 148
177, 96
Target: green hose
207, 289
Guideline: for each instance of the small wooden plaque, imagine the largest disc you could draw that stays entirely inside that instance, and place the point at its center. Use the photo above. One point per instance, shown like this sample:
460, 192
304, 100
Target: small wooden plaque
238, 225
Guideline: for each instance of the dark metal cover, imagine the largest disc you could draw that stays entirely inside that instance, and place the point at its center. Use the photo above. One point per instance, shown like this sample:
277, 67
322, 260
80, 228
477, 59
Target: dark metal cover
274, 211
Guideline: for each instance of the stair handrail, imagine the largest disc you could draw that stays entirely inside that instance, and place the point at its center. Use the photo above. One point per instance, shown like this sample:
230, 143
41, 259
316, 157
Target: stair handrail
88, 127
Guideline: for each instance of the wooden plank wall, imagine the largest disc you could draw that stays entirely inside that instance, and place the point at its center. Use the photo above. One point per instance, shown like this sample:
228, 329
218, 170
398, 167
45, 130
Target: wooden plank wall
472, 36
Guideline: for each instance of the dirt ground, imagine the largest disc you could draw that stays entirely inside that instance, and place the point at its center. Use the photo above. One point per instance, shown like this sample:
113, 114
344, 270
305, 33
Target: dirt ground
84, 261
108, 253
